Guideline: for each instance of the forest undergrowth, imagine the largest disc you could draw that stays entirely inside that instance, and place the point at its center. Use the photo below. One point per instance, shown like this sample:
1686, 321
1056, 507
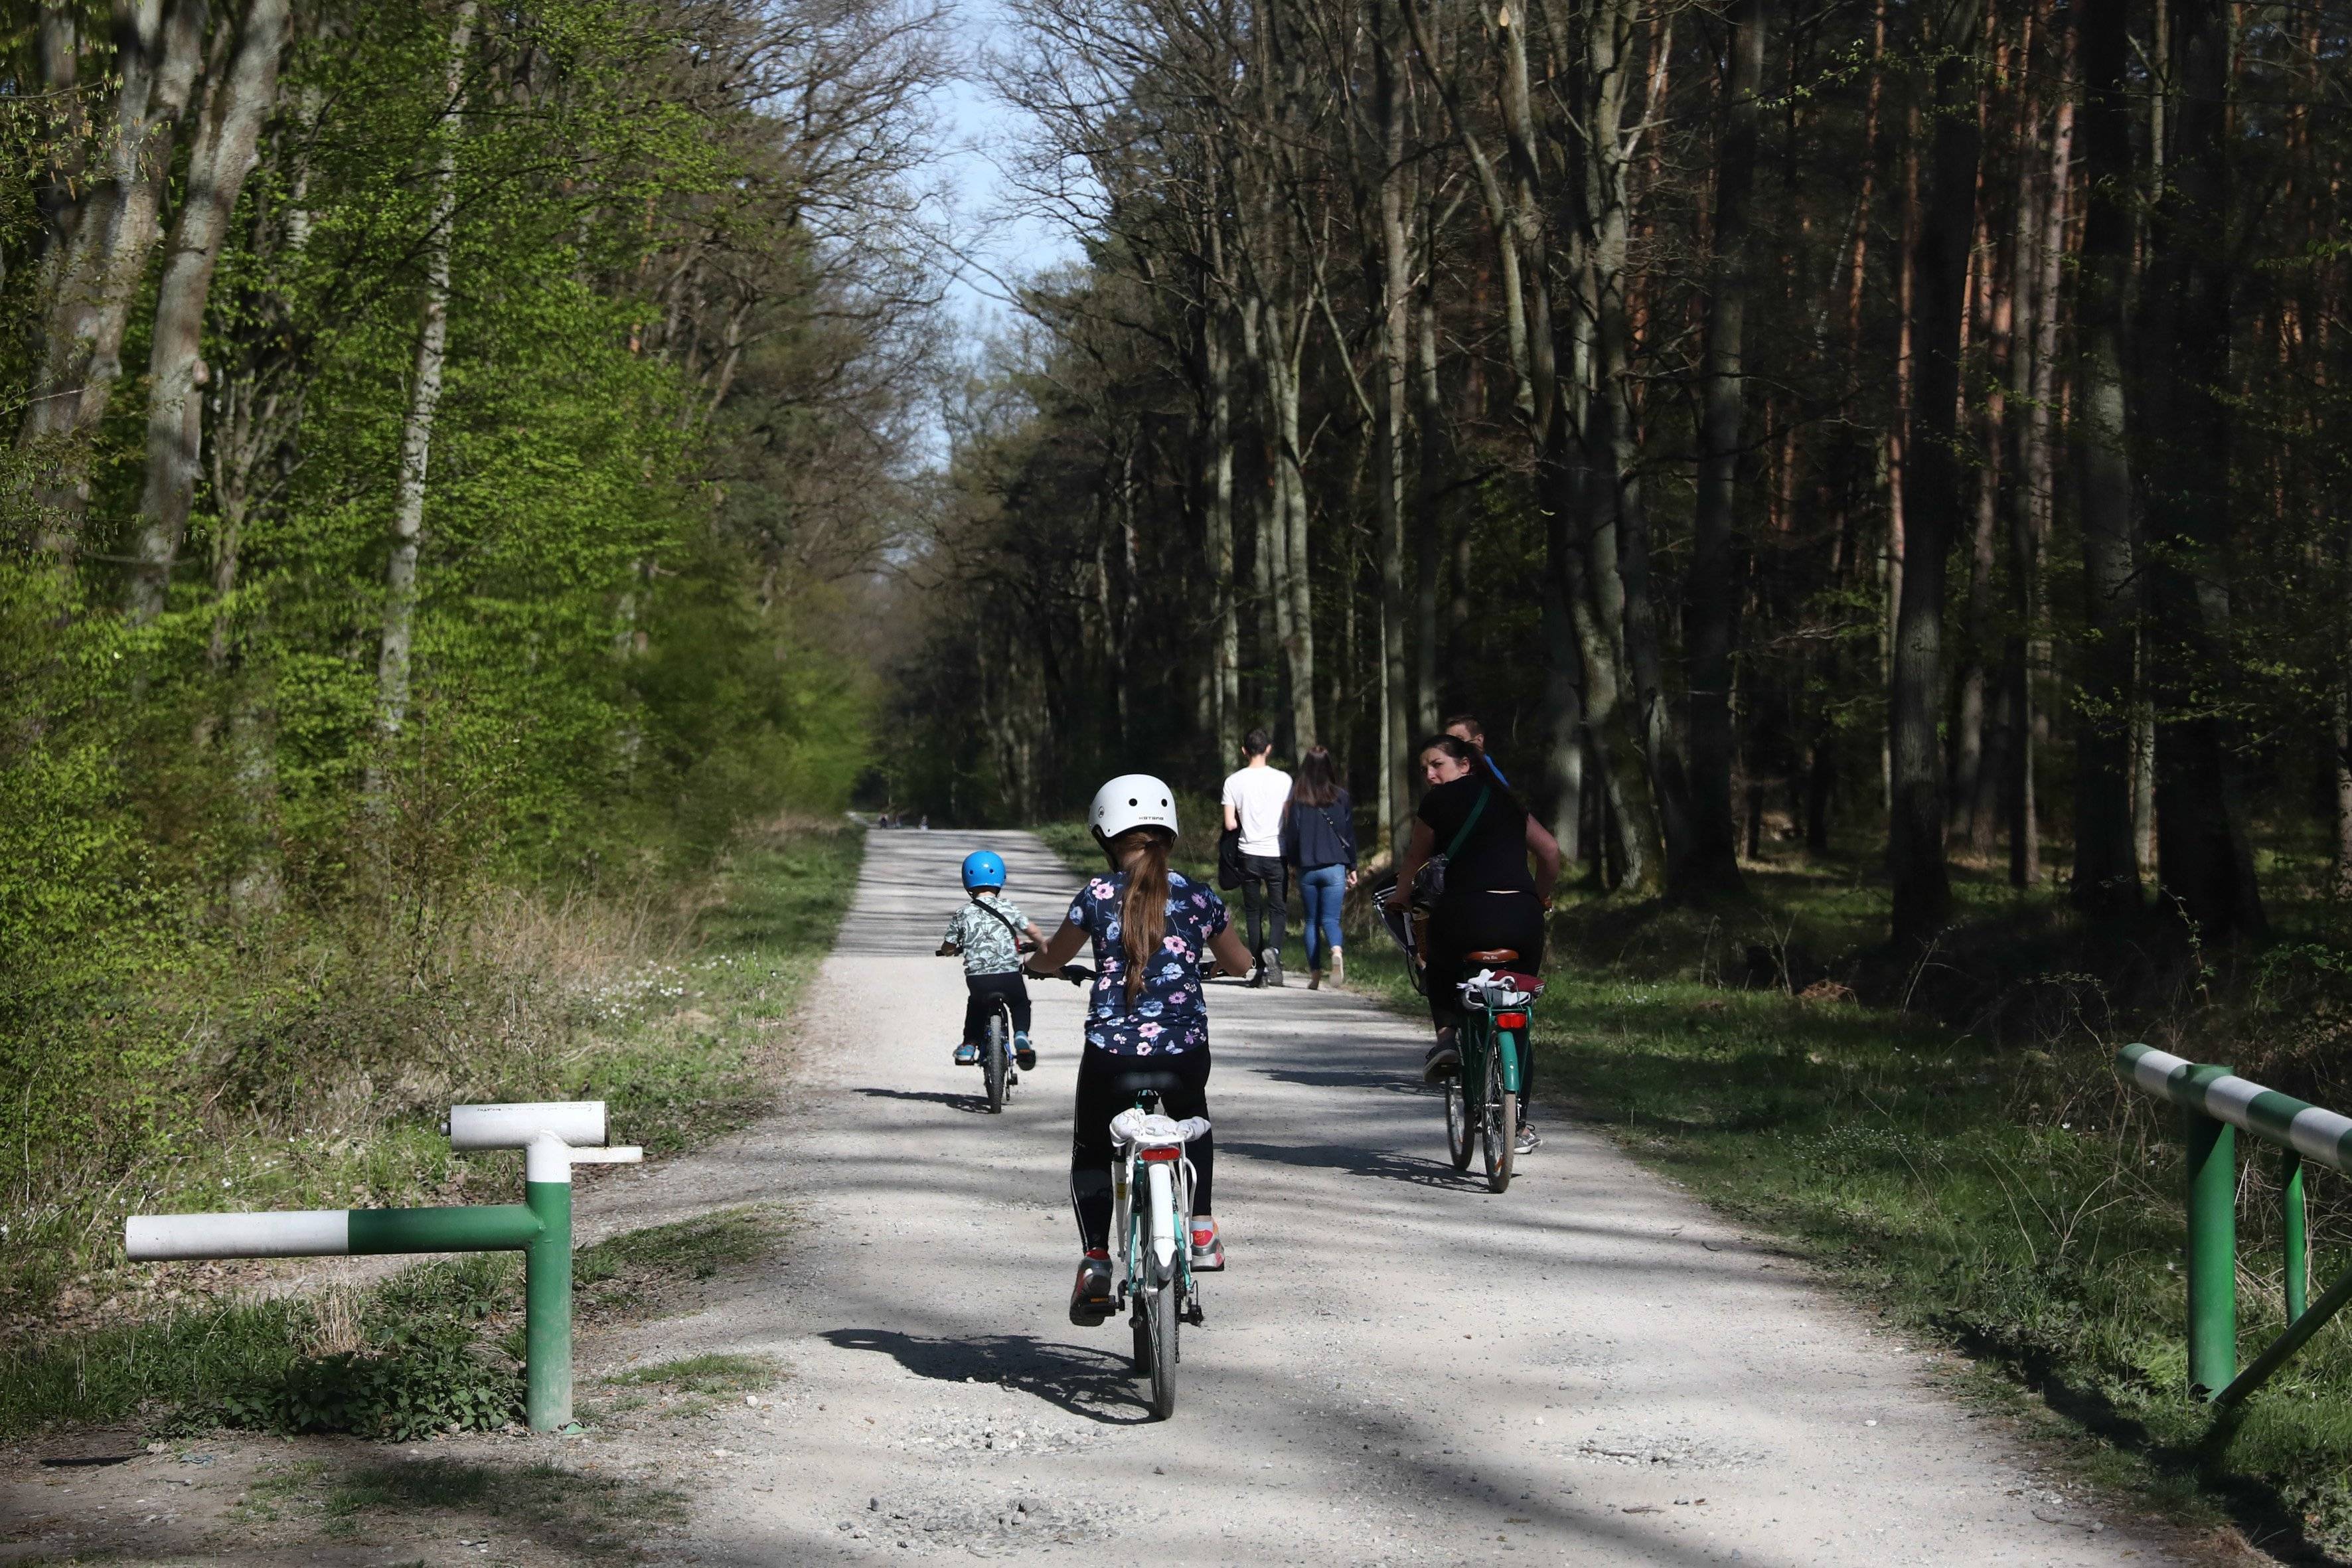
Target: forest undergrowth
667, 1004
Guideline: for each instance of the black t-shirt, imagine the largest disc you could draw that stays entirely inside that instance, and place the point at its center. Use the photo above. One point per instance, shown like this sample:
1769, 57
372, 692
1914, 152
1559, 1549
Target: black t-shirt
1494, 858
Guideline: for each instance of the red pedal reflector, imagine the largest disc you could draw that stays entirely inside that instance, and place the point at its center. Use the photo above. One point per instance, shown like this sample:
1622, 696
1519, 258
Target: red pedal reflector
1510, 1020
1168, 1153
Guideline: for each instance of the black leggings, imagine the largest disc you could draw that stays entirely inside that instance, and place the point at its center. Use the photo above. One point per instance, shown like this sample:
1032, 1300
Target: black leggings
982, 1004
1107, 1084
1473, 923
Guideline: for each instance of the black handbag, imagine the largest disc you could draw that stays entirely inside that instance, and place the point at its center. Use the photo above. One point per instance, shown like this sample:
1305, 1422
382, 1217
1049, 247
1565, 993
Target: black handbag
1229, 858
1430, 886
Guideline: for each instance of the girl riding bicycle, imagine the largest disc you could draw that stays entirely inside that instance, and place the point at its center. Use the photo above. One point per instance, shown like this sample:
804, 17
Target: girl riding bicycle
1153, 932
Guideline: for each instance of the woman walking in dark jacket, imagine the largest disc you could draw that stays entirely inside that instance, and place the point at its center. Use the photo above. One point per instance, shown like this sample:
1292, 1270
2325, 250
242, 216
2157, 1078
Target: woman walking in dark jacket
1318, 837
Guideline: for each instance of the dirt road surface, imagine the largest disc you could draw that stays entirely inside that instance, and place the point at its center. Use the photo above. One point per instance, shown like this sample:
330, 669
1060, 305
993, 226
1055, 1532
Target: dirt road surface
1397, 1367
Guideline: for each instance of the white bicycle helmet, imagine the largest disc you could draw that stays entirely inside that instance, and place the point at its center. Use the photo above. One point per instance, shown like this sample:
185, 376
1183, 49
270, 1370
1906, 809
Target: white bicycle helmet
1128, 802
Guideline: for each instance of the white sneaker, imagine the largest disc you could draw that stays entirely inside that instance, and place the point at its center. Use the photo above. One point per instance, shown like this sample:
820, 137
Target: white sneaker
1270, 965
1338, 970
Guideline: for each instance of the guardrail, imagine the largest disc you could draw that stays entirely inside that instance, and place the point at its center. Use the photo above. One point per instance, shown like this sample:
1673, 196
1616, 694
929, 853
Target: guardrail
2215, 1103
553, 1135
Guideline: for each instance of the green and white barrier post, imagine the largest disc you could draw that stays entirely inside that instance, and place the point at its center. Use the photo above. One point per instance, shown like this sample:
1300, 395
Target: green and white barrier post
553, 1136
2215, 1104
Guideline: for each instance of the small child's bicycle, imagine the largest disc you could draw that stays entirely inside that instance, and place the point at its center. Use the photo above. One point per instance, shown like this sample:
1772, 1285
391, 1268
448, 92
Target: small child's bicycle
1151, 1205
1151, 1183
996, 1067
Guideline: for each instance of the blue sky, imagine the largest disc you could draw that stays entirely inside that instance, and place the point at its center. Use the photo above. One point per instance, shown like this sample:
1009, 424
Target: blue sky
972, 122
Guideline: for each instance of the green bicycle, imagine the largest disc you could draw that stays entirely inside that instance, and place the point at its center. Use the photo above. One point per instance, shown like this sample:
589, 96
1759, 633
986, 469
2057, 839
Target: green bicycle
1482, 1100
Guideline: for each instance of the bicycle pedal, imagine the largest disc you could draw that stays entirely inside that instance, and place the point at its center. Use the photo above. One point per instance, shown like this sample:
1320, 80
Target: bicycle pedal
1192, 1314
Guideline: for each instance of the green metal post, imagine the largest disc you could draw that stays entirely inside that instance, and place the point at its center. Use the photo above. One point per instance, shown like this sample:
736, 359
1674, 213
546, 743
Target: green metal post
547, 1308
2212, 1247
2298, 1240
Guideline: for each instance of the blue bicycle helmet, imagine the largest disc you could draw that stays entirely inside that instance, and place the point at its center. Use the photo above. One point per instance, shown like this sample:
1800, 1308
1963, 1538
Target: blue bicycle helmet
982, 868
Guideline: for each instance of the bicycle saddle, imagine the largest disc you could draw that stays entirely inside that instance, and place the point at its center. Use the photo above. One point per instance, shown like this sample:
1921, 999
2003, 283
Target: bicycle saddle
1497, 956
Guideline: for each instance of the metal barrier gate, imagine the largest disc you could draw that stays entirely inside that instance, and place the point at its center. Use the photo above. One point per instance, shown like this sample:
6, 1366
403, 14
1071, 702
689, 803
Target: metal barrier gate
2214, 1103
554, 1136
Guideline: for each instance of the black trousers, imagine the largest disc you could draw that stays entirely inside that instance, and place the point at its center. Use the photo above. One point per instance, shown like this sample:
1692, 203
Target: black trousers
1107, 1084
985, 989
1472, 923
1265, 893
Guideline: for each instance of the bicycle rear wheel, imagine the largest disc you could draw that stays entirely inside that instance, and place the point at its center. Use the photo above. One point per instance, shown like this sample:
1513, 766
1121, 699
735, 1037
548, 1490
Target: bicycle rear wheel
994, 1064
1155, 1343
1461, 1124
1498, 1121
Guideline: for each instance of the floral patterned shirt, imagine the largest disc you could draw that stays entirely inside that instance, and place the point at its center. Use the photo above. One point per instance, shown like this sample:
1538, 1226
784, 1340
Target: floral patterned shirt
1168, 1015
988, 946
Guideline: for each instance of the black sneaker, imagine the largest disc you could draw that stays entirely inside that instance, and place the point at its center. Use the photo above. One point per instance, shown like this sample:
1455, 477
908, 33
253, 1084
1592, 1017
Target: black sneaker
1442, 1060
1090, 1300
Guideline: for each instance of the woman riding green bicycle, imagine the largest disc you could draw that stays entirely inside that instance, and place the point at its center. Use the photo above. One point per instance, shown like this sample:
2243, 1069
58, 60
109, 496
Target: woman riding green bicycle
1490, 900
1156, 935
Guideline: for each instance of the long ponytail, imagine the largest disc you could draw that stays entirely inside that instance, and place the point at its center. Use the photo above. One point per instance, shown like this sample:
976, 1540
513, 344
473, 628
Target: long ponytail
1143, 914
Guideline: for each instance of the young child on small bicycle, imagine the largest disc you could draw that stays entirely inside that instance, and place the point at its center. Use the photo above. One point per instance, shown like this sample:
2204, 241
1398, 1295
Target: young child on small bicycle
1156, 935
989, 931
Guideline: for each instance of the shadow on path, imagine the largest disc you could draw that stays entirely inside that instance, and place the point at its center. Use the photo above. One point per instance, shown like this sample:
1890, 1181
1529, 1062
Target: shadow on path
1389, 1165
967, 1103
1095, 1384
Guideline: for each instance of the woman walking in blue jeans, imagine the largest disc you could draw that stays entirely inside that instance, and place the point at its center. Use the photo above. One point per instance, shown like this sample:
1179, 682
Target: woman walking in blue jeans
1318, 837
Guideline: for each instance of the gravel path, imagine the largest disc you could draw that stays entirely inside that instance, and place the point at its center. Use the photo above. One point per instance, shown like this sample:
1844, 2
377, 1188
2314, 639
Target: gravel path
1398, 1367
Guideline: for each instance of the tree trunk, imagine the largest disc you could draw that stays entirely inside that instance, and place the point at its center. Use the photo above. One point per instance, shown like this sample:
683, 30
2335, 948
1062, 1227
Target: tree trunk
1293, 584
1393, 299
1429, 505
1711, 599
1898, 444
423, 402
2343, 738
1225, 696
1563, 703
2106, 868
102, 227
1915, 702
224, 151
2201, 848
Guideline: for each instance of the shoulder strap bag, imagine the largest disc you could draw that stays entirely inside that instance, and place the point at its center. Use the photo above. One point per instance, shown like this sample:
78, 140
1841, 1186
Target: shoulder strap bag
1431, 880
998, 916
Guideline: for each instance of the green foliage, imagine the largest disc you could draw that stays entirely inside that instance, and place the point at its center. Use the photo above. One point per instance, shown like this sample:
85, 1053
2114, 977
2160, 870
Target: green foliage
435, 1382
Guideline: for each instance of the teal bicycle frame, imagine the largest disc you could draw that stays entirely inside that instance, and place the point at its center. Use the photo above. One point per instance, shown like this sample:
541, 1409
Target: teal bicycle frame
1482, 1099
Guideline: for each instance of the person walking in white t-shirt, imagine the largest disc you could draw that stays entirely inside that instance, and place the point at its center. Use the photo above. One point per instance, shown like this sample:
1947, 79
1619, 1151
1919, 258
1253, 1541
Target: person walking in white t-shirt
1255, 795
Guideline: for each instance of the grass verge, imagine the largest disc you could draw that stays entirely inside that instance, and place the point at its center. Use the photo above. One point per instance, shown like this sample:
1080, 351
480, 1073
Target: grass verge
683, 1049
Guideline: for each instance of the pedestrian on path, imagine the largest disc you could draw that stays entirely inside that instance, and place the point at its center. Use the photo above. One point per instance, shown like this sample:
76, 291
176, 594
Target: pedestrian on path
1465, 727
1255, 796
1318, 837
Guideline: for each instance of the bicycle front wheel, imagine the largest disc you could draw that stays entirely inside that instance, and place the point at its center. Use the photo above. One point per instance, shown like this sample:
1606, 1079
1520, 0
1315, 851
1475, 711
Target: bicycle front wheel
1499, 1125
994, 1064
